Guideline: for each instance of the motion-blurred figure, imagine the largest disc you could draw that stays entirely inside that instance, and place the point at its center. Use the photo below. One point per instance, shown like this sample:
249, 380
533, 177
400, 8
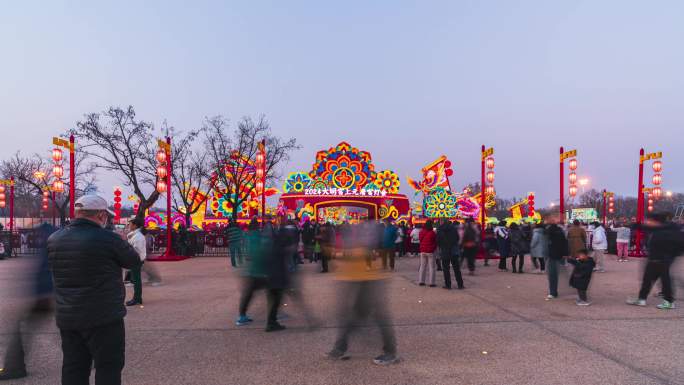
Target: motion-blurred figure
665, 243
41, 307
362, 296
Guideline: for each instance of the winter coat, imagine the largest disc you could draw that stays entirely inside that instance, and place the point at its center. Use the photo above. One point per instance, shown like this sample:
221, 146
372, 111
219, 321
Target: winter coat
428, 241
285, 243
86, 262
518, 243
558, 245
577, 240
581, 274
470, 236
389, 236
665, 243
598, 239
137, 240
447, 238
623, 234
539, 247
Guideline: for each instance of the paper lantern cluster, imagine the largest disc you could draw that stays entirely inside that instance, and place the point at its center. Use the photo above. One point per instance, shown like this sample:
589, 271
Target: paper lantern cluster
611, 203
57, 170
117, 204
46, 195
3, 198
657, 181
572, 177
489, 176
162, 171
530, 205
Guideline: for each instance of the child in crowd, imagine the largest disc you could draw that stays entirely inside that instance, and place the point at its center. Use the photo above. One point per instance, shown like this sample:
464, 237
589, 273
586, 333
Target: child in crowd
581, 275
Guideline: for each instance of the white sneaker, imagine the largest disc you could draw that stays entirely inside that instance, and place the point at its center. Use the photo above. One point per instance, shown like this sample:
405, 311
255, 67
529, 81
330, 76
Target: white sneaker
550, 297
636, 302
582, 303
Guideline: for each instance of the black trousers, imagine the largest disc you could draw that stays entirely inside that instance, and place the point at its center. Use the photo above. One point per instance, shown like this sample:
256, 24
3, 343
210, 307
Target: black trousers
502, 263
14, 355
521, 261
103, 346
324, 262
361, 300
469, 254
274, 297
657, 270
539, 263
582, 294
452, 261
387, 254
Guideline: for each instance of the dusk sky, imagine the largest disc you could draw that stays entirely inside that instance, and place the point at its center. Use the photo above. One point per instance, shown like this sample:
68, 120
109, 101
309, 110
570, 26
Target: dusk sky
406, 80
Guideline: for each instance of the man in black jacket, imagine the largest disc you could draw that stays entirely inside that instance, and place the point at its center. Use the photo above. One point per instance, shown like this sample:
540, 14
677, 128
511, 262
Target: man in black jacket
558, 250
86, 262
447, 240
665, 243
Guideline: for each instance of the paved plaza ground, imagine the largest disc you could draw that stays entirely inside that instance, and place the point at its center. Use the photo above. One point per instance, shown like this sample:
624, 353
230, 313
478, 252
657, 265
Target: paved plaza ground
185, 333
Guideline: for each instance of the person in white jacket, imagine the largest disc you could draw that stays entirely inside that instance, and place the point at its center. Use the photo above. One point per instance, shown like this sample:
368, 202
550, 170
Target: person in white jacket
136, 238
599, 243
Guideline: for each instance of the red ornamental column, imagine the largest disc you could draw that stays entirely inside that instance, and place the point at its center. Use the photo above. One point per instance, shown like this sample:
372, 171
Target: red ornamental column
640, 206
72, 176
483, 199
561, 205
11, 214
605, 193
263, 179
169, 221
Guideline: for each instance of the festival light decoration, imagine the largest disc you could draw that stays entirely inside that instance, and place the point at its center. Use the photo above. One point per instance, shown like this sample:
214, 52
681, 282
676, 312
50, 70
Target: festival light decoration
161, 156
58, 170
657, 166
572, 177
490, 176
58, 186
530, 205
572, 164
117, 204
657, 192
56, 155
2, 197
490, 162
161, 186
657, 179
46, 194
572, 190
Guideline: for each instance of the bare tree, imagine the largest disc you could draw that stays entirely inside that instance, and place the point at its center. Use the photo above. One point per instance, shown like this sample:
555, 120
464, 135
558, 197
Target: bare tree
191, 175
119, 142
231, 154
34, 175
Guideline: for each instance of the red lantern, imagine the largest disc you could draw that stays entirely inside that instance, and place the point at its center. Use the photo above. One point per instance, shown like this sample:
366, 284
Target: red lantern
657, 192
657, 166
490, 163
611, 204
611, 210
58, 170
260, 186
572, 164
572, 178
572, 190
58, 185
650, 208
489, 190
57, 155
2, 204
161, 156
161, 171
2, 188
2, 196
260, 173
657, 179
46, 194
490, 176
260, 159
161, 186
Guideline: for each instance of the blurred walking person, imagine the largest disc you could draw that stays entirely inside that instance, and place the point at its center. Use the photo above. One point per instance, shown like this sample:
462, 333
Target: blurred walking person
86, 262
40, 307
665, 243
558, 250
469, 244
599, 244
257, 272
577, 238
136, 238
447, 240
362, 295
428, 245
518, 246
389, 238
235, 243
539, 247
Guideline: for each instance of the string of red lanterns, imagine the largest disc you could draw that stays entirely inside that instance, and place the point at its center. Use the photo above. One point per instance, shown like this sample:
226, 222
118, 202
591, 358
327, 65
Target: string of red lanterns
57, 170
161, 171
3, 198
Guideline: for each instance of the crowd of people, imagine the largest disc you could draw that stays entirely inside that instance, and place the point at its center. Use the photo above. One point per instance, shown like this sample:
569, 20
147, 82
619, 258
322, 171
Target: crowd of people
83, 262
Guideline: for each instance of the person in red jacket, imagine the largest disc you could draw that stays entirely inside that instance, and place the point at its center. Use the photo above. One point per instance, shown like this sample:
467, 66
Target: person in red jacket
428, 244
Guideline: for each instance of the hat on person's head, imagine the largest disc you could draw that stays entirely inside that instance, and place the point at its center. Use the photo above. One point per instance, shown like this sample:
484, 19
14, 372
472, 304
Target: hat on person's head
92, 203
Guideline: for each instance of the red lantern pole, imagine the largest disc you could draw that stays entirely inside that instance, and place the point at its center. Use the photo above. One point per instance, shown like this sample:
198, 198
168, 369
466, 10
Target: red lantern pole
54, 207
11, 215
561, 205
640, 206
605, 193
169, 222
263, 180
483, 200
72, 176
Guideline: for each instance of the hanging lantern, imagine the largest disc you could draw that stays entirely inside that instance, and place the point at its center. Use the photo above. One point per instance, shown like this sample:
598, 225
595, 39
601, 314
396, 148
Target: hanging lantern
2, 204
58, 170
57, 155
611, 204
657, 192
657, 166
161, 156
657, 179
611, 210
161, 171
46, 194
489, 190
2, 188
572, 164
161, 187
260, 159
2, 196
650, 208
572, 178
572, 190
490, 163
260, 186
260, 173
58, 186
490, 176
